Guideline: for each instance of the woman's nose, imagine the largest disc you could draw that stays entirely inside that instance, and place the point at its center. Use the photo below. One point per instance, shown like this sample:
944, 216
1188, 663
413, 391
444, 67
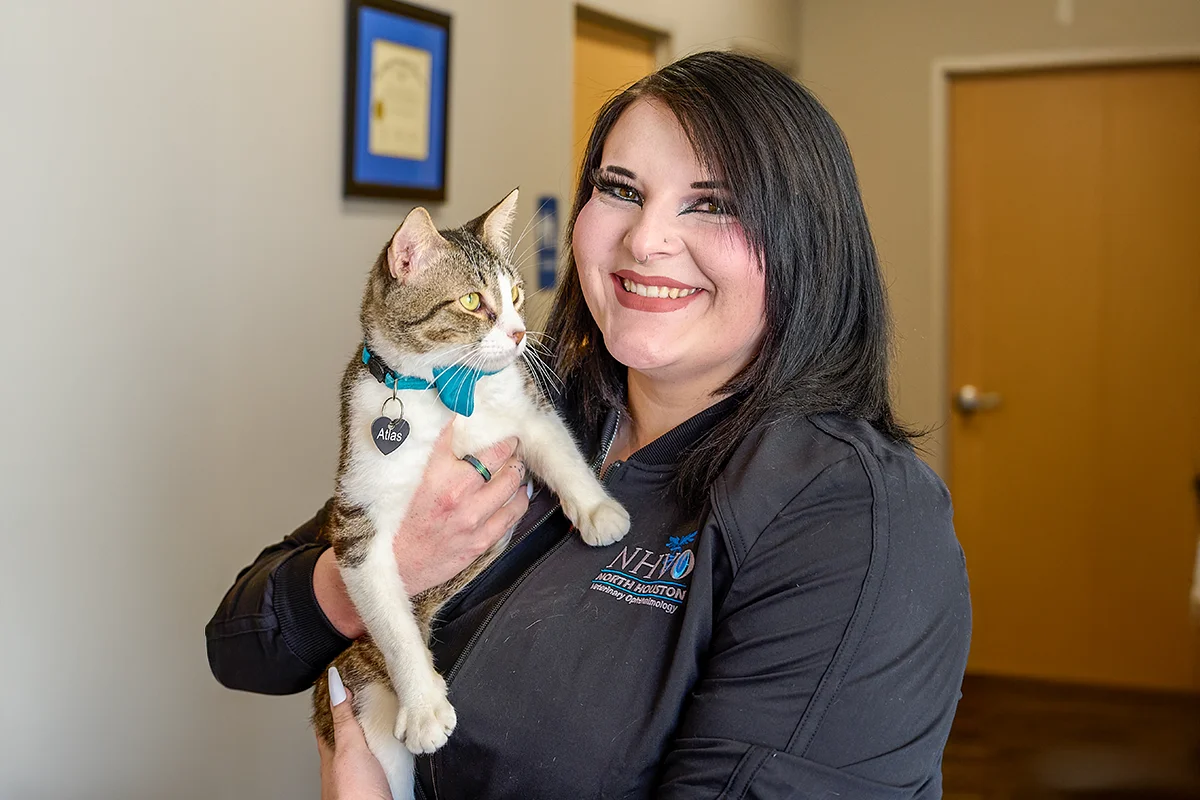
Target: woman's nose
654, 234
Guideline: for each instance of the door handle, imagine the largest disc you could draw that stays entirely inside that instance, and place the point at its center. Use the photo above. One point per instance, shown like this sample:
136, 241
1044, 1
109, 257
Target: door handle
968, 399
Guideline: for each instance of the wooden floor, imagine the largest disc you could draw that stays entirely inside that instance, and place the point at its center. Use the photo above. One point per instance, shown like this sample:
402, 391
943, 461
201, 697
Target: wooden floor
1020, 740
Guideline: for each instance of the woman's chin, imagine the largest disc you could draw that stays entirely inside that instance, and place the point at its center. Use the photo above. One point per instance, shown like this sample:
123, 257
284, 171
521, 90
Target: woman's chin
636, 355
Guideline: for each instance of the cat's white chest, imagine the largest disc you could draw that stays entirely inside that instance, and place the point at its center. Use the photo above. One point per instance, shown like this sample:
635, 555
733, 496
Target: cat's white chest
377, 481
373, 478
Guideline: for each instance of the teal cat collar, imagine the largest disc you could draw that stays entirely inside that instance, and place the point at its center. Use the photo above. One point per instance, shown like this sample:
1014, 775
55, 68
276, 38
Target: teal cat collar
455, 384
484, 472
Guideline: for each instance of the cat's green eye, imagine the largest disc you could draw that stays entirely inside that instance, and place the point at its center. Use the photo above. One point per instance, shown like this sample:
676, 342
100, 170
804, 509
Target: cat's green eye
470, 301
516, 294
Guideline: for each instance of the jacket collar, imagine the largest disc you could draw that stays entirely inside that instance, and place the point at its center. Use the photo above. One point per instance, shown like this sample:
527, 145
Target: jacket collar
668, 449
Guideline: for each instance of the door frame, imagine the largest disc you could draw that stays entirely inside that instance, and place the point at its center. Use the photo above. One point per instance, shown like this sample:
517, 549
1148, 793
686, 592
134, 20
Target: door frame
656, 27
942, 72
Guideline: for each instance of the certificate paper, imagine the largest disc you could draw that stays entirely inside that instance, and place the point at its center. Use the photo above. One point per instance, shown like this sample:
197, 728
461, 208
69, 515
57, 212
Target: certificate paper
401, 85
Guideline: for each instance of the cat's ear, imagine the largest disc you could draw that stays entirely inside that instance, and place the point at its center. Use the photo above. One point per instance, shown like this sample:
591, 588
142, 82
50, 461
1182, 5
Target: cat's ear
495, 225
413, 245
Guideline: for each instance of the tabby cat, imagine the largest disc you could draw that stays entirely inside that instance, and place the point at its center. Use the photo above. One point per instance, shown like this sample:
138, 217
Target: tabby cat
444, 336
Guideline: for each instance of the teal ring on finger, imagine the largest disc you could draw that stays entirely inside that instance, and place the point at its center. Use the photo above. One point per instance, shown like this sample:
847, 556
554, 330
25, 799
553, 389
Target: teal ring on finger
479, 467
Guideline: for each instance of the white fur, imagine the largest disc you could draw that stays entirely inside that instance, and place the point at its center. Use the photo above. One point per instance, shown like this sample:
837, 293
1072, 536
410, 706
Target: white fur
419, 714
377, 716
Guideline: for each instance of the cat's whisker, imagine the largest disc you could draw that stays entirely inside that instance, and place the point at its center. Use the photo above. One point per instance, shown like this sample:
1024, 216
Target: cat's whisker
541, 369
529, 247
520, 260
468, 360
474, 360
512, 248
531, 365
543, 362
524, 232
543, 377
441, 353
529, 250
543, 347
543, 350
433, 361
429, 358
546, 384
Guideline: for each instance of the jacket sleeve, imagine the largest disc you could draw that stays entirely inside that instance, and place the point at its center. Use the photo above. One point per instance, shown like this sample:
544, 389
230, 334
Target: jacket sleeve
837, 654
268, 634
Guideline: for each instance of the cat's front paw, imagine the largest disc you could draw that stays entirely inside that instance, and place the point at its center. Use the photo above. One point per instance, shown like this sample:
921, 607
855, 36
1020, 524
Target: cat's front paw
604, 523
426, 725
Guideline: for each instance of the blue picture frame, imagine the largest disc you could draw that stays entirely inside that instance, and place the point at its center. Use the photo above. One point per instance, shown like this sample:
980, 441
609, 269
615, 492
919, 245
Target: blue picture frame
397, 101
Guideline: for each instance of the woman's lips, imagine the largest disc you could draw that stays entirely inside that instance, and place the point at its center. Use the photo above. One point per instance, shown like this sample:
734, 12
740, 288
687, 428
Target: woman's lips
657, 281
634, 292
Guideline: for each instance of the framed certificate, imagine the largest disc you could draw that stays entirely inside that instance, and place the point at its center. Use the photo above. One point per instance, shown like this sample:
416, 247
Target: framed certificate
397, 87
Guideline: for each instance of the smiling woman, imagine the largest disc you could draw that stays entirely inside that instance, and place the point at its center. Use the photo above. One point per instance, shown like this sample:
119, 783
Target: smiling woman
788, 614
721, 176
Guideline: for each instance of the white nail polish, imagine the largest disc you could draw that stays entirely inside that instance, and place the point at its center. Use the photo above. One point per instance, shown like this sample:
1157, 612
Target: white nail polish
337, 690
529, 490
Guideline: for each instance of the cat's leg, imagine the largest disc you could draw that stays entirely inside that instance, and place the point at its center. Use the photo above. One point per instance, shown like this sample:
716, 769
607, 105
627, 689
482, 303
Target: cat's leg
377, 710
425, 717
549, 450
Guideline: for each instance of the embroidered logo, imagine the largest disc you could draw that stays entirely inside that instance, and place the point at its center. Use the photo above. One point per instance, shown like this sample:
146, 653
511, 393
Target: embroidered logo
643, 577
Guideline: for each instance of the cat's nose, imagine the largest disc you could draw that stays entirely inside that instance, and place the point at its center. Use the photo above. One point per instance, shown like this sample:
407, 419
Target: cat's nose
517, 336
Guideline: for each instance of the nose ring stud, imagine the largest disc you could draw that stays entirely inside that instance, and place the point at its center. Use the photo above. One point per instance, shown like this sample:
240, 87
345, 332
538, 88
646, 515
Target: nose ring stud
641, 260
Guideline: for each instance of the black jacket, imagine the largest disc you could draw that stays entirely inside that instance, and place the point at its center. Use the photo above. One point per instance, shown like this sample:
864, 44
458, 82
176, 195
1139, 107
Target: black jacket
801, 635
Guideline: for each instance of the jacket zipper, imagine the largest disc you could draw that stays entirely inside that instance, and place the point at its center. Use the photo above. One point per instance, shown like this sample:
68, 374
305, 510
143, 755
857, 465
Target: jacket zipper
462, 657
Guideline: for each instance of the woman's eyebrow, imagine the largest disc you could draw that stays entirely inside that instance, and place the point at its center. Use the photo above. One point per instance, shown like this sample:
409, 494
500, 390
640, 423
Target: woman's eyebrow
632, 176
620, 171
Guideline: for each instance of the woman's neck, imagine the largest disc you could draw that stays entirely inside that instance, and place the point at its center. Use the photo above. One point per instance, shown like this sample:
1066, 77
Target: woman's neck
655, 407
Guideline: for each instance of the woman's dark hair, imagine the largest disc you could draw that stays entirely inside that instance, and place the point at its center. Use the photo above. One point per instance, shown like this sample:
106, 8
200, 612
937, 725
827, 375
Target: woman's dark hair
792, 185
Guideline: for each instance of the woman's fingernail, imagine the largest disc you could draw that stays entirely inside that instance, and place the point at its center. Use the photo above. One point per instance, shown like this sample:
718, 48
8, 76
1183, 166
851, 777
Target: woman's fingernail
529, 490
337, 690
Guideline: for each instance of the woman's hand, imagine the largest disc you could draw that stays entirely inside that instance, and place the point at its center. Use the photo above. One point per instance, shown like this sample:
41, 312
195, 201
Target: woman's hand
351, 772
454, 518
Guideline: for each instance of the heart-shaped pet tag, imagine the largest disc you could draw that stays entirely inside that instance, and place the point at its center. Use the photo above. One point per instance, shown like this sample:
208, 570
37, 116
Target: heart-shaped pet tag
388, 433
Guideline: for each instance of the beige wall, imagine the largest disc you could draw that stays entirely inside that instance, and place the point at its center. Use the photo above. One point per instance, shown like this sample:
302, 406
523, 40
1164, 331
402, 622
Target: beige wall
871, 63
179, 289
701, 26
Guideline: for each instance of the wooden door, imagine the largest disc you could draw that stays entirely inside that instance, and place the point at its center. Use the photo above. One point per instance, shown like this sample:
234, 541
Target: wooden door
609, 55
1075, 298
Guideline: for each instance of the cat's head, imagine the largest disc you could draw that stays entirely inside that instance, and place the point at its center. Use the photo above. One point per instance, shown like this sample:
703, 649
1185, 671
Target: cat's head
437, 298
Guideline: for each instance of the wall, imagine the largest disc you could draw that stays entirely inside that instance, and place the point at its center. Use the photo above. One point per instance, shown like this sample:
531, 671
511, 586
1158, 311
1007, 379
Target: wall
871, 61
180, 282
701, 26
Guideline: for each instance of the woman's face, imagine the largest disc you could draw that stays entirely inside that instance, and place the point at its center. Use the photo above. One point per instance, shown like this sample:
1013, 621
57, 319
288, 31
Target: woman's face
665, 267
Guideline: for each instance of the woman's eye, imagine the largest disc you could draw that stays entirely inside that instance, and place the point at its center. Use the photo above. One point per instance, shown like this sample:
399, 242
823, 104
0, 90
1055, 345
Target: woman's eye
470, 301
712, 206
613, 188
516, 294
